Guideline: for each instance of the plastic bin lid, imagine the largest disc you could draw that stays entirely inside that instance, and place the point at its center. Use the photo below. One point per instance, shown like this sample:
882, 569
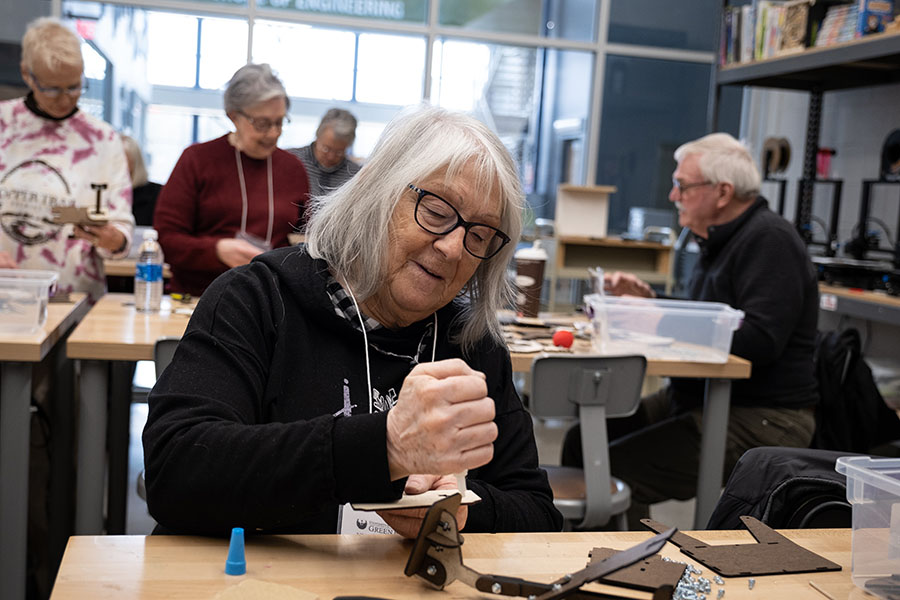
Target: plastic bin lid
883, 473
20, 275
686, 308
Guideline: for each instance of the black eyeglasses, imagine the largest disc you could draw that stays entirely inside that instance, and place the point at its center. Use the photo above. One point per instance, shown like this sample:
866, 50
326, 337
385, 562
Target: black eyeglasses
683, 187
262, 124
437, 216
56, 92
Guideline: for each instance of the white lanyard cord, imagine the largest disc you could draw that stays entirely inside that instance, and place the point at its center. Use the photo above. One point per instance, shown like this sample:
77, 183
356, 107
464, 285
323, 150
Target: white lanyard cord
366, 342
240, 167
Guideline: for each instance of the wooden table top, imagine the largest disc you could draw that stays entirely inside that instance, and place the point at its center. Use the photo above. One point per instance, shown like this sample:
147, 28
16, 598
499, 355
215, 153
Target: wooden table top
863, 295
124, 267
114, 330
331, 565
734, 368
35, 346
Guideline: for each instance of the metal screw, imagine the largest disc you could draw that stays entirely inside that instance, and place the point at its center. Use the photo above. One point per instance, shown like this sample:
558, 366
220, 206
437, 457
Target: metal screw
431, 570
445, 525
751, 582
556, 587
720, 593
496, 588
719, 580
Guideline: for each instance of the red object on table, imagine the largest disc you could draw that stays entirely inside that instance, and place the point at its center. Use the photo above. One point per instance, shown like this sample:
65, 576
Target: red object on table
563, 338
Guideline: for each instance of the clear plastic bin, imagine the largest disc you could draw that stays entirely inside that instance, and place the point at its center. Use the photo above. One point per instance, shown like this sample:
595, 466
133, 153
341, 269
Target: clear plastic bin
23, 299
662, 329
873, 488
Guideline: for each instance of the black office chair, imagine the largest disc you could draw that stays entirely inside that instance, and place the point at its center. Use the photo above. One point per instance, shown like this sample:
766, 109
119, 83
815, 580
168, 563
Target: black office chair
163, 351
591, 389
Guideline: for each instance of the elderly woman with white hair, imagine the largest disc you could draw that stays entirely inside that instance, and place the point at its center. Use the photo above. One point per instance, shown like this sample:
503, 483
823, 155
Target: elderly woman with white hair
234, 197
364, 364
55, 155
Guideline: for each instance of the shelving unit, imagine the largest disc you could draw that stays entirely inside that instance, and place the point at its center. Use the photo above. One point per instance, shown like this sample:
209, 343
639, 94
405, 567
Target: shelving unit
650, 261
869, 61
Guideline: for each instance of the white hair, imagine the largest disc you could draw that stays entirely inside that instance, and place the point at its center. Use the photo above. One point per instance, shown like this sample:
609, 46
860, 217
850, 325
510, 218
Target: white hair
50, 43
350, 227
723, 159
342, 124
252, 84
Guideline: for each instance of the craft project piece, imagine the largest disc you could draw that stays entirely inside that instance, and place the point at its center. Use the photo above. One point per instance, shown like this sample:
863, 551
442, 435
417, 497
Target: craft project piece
648, 574
773, 555
436, 557
422, 500
78, 215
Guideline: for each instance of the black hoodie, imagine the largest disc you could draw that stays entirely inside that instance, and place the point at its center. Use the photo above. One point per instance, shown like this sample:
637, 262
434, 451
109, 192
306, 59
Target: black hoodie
246, 426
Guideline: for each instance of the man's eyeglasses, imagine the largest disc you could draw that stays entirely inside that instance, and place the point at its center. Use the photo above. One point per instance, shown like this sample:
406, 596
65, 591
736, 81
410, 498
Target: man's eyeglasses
336, 152
683, 187
437, 216
262, 124
55, 92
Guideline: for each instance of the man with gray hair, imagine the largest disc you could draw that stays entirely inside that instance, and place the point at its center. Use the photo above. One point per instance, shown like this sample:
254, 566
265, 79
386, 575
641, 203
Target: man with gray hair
753, 260
326, 159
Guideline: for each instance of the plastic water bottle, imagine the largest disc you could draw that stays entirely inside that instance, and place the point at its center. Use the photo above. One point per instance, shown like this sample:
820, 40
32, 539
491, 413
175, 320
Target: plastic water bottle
148, 276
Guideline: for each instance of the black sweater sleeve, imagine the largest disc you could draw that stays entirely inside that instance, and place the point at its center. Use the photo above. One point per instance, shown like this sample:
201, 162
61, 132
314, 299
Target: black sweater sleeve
213, 458
515, 493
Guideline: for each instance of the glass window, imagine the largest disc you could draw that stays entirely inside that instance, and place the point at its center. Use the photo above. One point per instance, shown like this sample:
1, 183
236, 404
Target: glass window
509, 16
572, 20
685, 25
386, 10
223, 50
650, 107
300, 131
498, 85
568, 19
391, 69
169, 131
459, 73
212, 125
172, 49
296, 52
94, 63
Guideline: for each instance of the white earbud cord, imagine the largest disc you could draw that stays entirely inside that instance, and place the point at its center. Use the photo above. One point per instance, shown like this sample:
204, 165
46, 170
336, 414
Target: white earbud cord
366, 343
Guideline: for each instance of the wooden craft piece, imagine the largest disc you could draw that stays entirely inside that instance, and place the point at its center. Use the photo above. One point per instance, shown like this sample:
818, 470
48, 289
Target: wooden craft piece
649, 574
78, 215
436, 557
774, 554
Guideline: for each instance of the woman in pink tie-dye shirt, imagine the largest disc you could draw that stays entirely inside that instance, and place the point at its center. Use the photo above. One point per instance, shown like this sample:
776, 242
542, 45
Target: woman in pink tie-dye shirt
53, 155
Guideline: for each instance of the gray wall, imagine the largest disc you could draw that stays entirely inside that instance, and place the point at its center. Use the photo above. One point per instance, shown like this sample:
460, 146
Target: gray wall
855, 123
17, 14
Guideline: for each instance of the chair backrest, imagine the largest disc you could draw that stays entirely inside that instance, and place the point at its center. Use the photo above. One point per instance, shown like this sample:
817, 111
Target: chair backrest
562, 384
591, 388
163, 351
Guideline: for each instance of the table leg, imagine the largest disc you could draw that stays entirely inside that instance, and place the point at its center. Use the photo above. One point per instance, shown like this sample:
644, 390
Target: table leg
716, 404
15, 421
91, 447
118, 434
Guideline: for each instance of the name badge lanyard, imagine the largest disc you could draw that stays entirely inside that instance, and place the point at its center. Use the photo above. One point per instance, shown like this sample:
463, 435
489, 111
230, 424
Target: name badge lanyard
240, 167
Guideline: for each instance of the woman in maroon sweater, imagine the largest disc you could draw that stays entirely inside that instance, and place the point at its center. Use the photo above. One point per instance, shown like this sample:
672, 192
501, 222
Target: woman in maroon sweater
234, 197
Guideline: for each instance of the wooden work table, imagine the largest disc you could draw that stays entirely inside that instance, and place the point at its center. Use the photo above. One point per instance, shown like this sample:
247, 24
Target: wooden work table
107, 341
871, 306
125, 267
18, 353
175, 567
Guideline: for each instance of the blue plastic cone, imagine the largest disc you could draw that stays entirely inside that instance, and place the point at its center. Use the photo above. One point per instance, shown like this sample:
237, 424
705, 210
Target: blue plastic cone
236, 563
